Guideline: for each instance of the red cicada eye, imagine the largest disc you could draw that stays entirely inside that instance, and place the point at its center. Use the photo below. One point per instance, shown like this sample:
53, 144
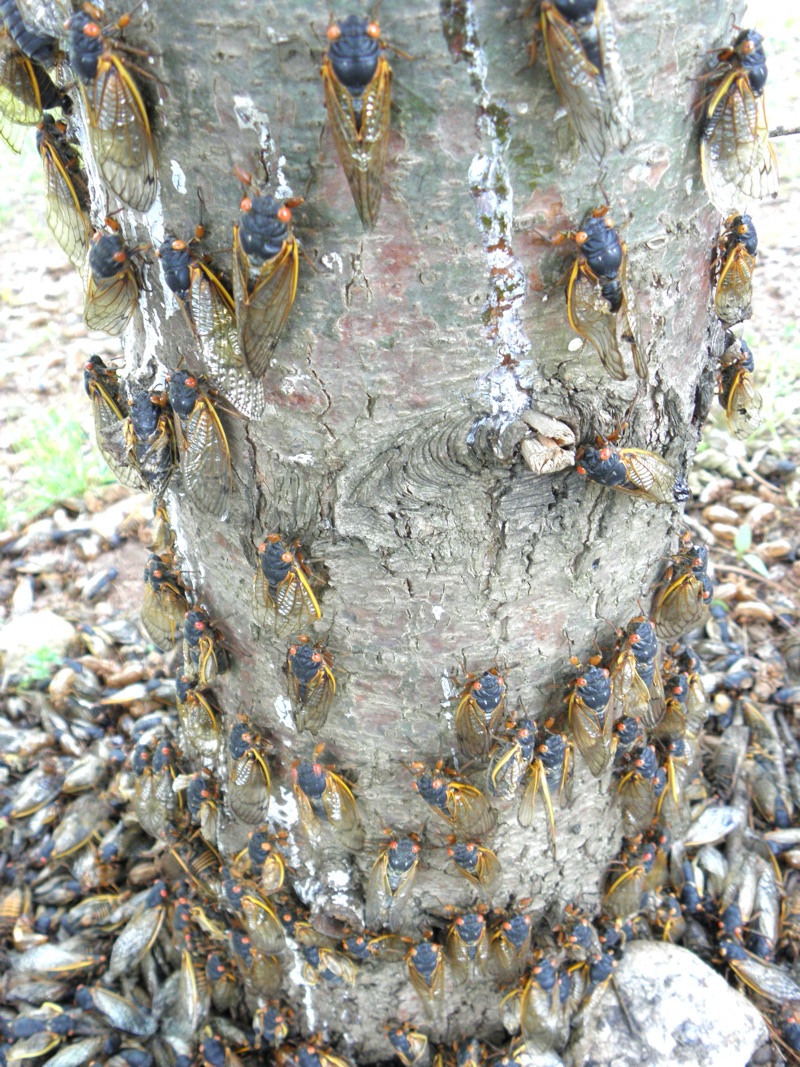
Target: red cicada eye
604, 454
333, 32
245, 203
284, 214
373, 30
91, 29
581, 237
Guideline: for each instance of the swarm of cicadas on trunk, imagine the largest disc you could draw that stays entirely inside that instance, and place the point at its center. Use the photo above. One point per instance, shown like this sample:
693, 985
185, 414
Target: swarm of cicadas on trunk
119, 130
600, 298
265, 269
357, 81
736, 156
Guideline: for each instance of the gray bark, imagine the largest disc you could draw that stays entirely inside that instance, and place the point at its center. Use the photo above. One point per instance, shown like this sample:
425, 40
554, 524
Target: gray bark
389, 442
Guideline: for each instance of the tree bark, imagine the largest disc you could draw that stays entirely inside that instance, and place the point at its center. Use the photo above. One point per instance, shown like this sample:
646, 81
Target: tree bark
395, 411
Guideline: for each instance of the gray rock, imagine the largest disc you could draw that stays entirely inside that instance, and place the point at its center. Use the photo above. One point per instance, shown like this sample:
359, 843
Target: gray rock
29, 638
680, 1010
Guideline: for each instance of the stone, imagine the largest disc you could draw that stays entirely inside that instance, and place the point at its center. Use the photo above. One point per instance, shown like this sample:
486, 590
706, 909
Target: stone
34, 637
680, 1010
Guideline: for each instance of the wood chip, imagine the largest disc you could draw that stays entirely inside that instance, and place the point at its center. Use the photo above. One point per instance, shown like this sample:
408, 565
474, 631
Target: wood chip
753, 609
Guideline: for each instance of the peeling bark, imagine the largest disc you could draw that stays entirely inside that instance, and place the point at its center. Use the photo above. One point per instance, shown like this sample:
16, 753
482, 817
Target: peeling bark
390, 439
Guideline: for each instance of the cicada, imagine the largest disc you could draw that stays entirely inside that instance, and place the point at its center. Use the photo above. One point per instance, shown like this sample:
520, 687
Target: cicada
738, 246
623, 897
311, 681
588, 715
283, 596
197, 716
584, 62
271, 1025
738, 392
509, 946
542, 1007
682, 603
203, 655
634, 471
479, 865
26, 90
324, 797
249, 781
358, 83
468, 945
209, 310
736, 156
313, 1056
389, 948
265, 268
327, 965
164, 605
462, 805
150, 438
205, 459
266, 862
109, 411
66, 191
138, 936
767, 980
47, 15
39, 48
479, 712
112, 284
550, 774
391, 880
510, 759
425, 963
637, 789
635, 677
119, 130
600, 299
410, 1046
201, 800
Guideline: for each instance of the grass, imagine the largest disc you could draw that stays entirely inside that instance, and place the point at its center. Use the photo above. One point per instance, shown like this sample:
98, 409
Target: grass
39, 666
55, 461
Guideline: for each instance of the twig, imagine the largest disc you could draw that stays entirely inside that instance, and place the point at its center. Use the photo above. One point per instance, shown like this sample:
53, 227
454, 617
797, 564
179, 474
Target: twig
782, 131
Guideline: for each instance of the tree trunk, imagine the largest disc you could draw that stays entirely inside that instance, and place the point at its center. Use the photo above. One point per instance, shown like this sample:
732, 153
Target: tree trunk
396, 404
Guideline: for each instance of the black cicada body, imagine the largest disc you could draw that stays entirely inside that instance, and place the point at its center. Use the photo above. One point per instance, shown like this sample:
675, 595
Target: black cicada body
283, 596
509, 947
468, 945
324, 797
479, 865
410, 1046
205, 458
589, 719
736, 156
733, 297
425, 964
112, 285
358, 81
249, 782
510, 759
682, 603
150, 438
462, 805
204, 657
550, 775
738, 392
164, 605
600, 300
391, 880
66, 192
632, 470
265, 269
312, 684
109, 411
119, 130
480, 712
26, 89
198, 718
584, 63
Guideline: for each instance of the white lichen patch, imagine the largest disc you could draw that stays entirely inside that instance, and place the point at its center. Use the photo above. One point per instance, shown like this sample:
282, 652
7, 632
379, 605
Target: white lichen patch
178, 177
283, 709
251, 117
